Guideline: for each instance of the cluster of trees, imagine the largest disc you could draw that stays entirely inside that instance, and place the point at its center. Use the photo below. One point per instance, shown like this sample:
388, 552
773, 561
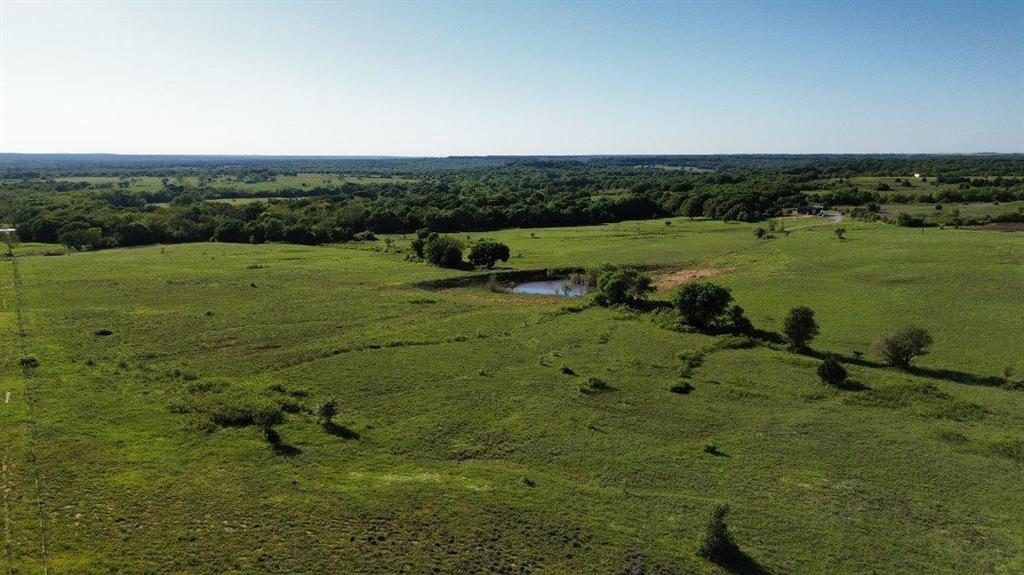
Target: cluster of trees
446, 251
443, 195
858, 197
706, 306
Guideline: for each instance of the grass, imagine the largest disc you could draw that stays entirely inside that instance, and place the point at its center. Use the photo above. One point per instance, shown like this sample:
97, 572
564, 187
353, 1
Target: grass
471, 449
970, 210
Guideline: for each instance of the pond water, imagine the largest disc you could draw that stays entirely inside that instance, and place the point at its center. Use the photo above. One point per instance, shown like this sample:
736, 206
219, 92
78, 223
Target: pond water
552, 287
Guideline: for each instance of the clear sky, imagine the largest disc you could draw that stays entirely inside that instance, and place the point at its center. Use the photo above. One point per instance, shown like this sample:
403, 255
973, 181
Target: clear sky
511, 78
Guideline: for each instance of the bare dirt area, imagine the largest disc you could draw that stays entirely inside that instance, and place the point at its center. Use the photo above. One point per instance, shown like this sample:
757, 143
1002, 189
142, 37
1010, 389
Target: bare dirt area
671, 279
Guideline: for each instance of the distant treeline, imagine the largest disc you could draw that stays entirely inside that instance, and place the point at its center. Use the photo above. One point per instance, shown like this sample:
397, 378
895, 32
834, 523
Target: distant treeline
809, 166
482, 194
45, 210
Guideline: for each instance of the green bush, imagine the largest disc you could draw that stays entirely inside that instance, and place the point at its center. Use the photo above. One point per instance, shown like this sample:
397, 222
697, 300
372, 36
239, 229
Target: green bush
486, 253
703, 305
832, 372
623, 286
717, 544
900, 348
443, 251
800, 327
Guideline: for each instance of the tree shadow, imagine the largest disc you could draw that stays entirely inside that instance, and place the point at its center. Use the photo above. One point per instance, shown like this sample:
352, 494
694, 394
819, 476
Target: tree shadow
767, 336
740, 563
285, 449
853, 385
713, 450
340, 431
956, 376
929, 372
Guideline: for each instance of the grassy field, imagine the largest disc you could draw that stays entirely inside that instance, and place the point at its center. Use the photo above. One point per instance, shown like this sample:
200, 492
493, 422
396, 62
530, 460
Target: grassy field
464, 446
972, 210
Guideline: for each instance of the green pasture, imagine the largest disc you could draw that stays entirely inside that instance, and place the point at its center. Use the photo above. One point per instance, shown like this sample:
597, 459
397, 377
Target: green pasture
967, 210
469, 446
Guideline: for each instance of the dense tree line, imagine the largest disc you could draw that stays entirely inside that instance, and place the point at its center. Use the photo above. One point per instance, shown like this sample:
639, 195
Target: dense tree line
440, 195
806, 166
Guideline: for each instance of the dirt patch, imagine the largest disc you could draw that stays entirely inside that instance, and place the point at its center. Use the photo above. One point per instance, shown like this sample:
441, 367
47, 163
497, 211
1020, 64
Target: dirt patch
671, 279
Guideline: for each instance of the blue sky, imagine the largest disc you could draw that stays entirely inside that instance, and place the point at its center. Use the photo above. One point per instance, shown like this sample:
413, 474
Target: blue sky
512, 78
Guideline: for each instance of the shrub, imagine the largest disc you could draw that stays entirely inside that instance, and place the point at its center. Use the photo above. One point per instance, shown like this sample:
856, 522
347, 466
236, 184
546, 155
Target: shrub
567, 370
267, 417
840, 233
908, 221
734, 342
717, 544
365, 236
738, 319
623, 286
327, 410
418, 246
443, 251
800, 327
900, 348
702, 304
488, 252
832, 372
29, 361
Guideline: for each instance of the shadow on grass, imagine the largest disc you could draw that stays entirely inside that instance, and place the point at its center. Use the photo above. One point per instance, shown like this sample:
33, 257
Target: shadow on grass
742, 564
956, 376
929, 372
285, 449
340, 431
767, 336
853, 385
713, 450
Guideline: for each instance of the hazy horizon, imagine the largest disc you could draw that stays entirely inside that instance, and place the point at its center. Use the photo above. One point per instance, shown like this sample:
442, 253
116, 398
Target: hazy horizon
441, 79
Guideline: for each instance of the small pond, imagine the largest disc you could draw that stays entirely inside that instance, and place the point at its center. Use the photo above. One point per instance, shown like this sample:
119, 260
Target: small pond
552, 287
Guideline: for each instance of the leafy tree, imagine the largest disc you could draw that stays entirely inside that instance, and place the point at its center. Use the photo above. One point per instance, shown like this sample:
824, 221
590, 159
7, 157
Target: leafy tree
702, 304
267, 418
327, 410
908, 221
418, 244
444, 251
79, 238
135, 234
488, 252
717, 544
832, 372
800, 327
626, 286
11, 241
840, 233
900, 348
760, 233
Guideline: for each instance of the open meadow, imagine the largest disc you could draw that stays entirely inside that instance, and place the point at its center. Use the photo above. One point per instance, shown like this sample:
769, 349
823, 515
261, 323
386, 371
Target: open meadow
466, 438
